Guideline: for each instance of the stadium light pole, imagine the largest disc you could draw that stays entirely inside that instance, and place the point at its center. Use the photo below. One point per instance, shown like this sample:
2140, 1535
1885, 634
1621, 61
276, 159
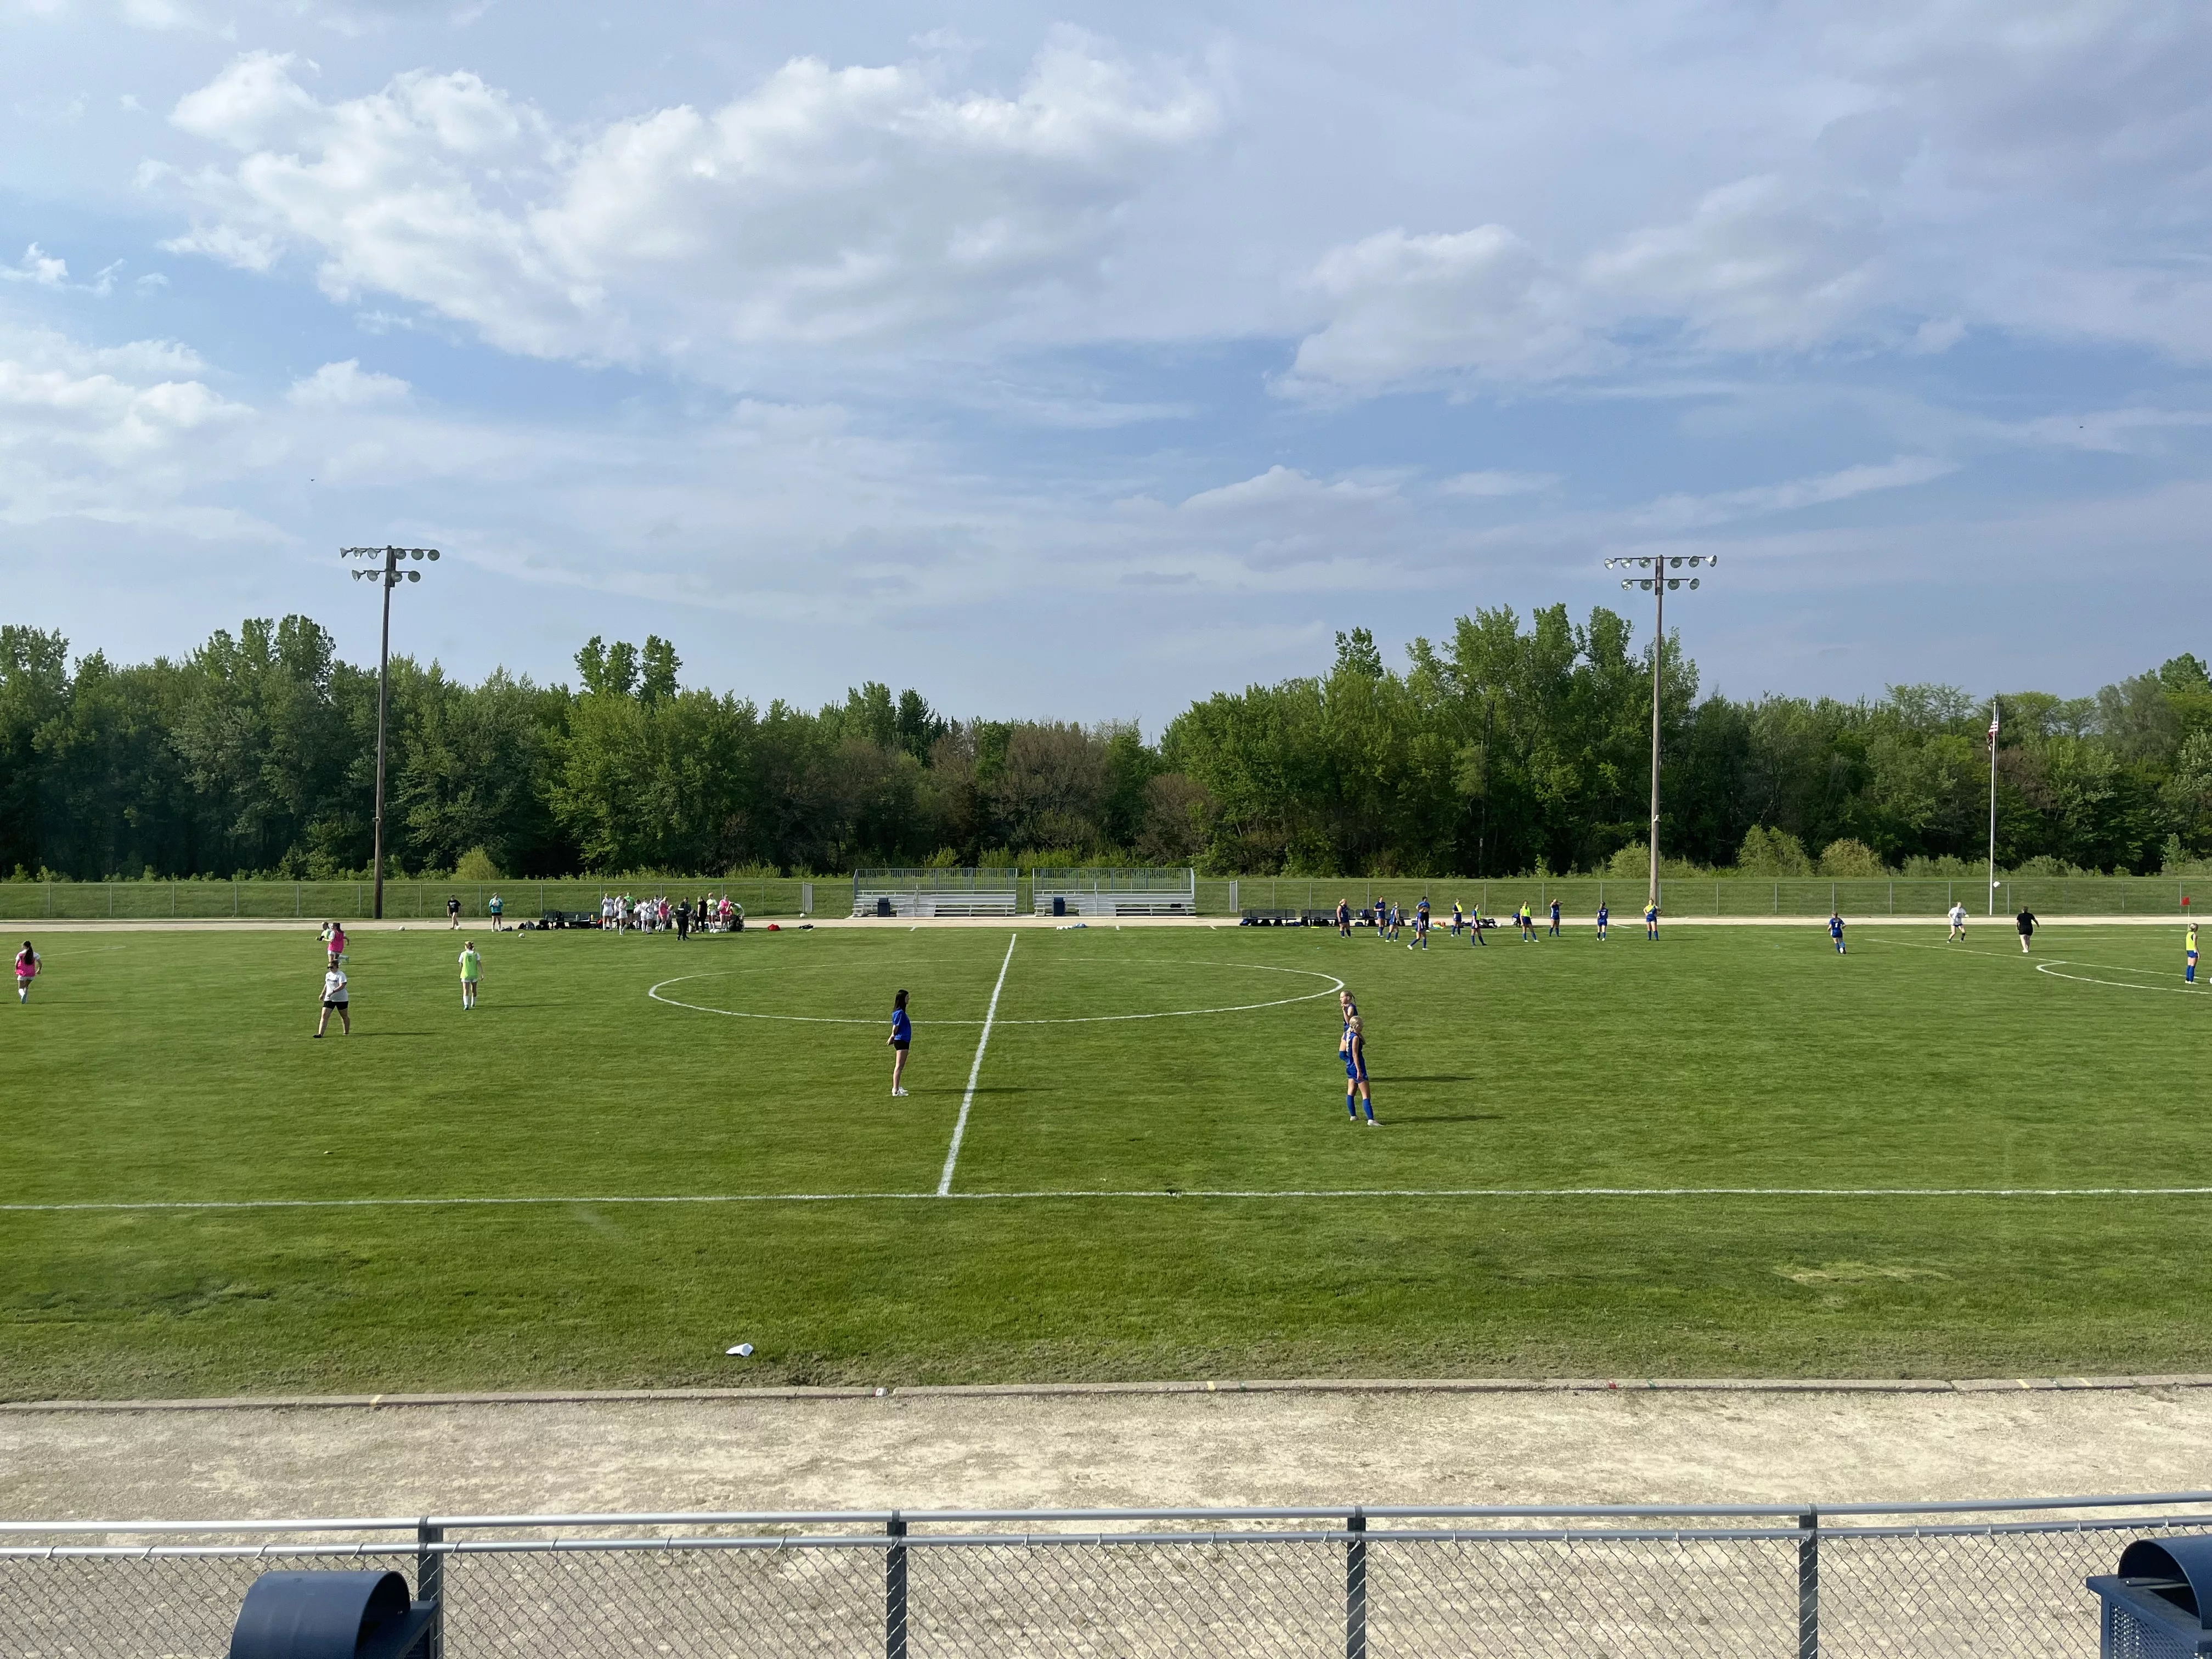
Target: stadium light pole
1993, 805
390, 575
1656, 585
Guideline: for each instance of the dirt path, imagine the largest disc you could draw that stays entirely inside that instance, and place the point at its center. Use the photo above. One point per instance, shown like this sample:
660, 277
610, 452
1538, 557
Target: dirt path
1101, 1450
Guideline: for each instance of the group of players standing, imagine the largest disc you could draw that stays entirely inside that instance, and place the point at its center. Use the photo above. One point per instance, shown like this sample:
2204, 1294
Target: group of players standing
1392, 921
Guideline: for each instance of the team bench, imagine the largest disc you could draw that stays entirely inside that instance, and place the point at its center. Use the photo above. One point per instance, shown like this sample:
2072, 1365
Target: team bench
569, 918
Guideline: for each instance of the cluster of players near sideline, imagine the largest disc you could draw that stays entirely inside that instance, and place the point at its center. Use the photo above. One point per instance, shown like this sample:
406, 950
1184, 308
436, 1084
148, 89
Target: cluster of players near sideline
1393, 922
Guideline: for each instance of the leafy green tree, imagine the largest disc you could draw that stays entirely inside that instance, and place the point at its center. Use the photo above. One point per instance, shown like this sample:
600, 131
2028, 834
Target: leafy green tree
34, 689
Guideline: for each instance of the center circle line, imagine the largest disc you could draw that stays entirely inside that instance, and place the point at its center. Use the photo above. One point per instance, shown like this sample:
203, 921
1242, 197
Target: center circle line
2053, 967
1334, 985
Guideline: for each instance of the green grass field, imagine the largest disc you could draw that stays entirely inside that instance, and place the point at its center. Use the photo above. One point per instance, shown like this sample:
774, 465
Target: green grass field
1133, 1197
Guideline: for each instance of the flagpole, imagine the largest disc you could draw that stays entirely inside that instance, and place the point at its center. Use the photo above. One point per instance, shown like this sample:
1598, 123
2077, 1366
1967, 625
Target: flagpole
1993, 807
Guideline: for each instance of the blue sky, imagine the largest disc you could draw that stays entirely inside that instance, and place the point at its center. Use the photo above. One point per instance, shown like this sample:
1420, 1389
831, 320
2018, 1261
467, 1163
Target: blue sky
1079, 362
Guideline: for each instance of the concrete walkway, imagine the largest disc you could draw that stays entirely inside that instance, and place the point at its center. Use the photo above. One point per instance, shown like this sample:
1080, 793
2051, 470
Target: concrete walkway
1098, 1448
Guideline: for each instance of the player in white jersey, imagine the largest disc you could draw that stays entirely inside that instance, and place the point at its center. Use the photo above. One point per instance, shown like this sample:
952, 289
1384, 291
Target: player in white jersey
1958, 923
335, 998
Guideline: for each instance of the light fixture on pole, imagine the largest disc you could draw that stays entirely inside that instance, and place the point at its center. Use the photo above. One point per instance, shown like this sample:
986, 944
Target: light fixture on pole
1656, 585
390, 574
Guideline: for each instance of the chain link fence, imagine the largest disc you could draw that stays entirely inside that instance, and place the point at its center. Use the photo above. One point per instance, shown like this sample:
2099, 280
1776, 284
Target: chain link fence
1682, 897
1776, 1582
1695, 896
403, 901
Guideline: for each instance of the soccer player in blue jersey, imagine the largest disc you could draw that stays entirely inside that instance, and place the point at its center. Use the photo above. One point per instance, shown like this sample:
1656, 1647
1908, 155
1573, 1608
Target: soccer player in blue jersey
1555, 920
1474, 926
1651, 920
1604, 915
1344, 917
901, 1038
1458, 919
1836, 930
1351, 1049
1421, 923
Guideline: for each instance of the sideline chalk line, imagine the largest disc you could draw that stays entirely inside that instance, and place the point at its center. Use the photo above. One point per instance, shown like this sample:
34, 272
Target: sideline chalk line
1317, 1193
1334, 985
975, 1071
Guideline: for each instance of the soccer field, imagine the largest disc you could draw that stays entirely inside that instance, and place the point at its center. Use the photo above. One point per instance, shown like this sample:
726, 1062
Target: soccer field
1729, 1152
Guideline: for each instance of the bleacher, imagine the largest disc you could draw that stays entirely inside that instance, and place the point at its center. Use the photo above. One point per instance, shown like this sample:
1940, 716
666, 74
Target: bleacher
1109, 892
918, 895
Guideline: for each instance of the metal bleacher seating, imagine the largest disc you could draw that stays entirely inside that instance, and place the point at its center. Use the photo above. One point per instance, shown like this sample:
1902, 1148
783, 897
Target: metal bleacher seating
1111, 892
922, 894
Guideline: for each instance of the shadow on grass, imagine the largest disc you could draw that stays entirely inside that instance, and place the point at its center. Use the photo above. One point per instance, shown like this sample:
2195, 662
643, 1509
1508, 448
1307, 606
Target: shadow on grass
1468, 1117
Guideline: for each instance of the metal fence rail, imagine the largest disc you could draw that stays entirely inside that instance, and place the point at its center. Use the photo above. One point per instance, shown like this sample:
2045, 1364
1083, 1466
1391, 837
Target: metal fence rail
1680, 896
1852, 1581
348, 901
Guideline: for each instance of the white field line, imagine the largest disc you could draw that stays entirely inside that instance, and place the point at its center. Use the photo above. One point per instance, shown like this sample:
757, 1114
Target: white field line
2051, 968
588, 1200
975, 1071
2051, 965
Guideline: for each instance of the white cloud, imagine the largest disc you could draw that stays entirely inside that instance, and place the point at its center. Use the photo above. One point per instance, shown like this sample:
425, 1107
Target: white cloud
343, 385
1928, 169
102, 432
1401, 307
50, 271
255, 101
2128, 431
1485, 485
1755, 267
162, 15
827, 205
38, 266
1693, 512
1749, 269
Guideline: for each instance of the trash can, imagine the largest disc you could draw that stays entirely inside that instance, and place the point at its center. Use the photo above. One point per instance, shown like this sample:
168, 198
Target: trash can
1060, 904
2153, 1607
882, 905
331, 1615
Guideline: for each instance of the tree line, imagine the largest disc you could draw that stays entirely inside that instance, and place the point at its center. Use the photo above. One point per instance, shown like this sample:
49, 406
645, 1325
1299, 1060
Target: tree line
1509, 748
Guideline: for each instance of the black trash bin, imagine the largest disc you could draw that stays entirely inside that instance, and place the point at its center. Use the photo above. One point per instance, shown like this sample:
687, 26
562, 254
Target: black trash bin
1060, 904
331, 1615
2154, 1607
882, 905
